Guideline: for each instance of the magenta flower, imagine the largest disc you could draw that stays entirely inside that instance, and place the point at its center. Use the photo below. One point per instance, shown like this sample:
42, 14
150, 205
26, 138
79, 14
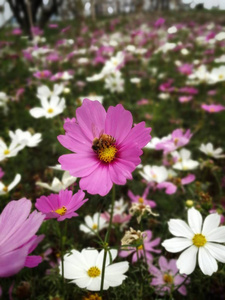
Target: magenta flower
61, 206
183, 99
106, 147
148, 247
17, 236
141, 199
213, 108
42, 74
167, 278
178, 139
2, 173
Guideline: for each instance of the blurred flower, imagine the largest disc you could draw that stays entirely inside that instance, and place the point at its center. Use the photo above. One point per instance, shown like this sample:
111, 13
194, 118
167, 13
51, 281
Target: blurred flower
92, 98
58, 185
93, 224
43, 91
50, 108
85, 269
131, 237
25, 138
18, 228
107, 147
42, 74
141, 199
2, 173
118, 219
213, 108
61, 206
144, 250
167, 279
140, 211
210, 151
115, 82
183, 161
4, 189
3, 99
183, 99
199, 238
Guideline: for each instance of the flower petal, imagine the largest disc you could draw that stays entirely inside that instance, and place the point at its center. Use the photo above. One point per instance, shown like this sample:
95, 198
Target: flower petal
211, 222
180, 228
195, 220
187, 260
217, 251
207, 262
175, 245
216, 235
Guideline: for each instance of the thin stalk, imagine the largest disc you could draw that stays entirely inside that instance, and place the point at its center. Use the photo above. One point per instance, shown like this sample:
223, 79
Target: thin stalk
106, 242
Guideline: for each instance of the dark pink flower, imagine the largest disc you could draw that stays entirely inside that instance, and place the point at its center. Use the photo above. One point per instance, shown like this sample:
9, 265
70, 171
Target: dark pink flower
42, 74
61, 206
167, 278
17, 236
213, 108
107, 148
142, 199
148, 247
2, 173
185, 69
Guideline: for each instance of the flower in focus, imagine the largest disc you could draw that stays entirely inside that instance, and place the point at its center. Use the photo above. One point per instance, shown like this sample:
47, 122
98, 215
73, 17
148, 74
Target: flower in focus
106, 147
17, 231
210, 151
25, 138
85, 269
194, 238
140, 211
4, 189
167, 277
93, 224
144, 250
132, 236
61, 206
49, 109
58, 185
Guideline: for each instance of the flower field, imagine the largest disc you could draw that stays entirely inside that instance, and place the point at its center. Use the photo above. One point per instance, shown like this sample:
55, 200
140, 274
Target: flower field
112, 152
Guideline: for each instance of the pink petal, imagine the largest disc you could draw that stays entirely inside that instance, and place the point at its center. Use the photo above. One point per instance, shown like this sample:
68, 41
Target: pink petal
33, 261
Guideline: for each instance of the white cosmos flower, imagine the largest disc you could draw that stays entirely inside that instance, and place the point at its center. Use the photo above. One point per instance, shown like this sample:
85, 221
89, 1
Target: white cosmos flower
195, 239
4, 189
85, 269
58, 185
115, 82
50, 108
25, 138
210, 151
93, 224
44, 91
184, 161
9, 151
154, 173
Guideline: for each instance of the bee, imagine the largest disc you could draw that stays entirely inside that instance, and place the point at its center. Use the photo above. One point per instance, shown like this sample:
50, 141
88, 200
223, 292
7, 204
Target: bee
105, 141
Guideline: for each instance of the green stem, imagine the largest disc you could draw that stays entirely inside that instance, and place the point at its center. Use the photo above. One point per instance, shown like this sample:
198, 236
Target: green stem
106, 242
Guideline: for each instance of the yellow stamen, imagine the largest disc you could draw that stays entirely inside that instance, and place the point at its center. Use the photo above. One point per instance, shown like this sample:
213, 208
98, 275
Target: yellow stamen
5, 189
107, 154
140, 200
6, 151
61, 211
50, 110
168, 278
221, 76
93, 297
212, 109
94, 272
94, 226
199, 240
140, 247
176, 140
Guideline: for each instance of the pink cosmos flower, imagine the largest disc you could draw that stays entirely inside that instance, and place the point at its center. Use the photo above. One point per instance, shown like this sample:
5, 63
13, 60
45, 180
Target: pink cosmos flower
106, 147
148, 247
213, 108
185, 69
42, 74
178, 139
2, 173
167, 278
61, 206
183, 99
120, 219
141, 199
17, 236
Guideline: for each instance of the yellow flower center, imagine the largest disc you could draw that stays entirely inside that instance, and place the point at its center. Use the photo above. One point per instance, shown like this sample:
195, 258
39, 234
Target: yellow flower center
61, 211
94, 272
140, 200
212, 109
105, 148
94, 226
176, 140
140, 247
168, 278
221, 76
50, 110
6, 151
93, 297
199, 240
5, 189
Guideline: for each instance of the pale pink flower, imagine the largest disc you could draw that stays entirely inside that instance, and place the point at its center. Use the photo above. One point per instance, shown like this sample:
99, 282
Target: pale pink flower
213, 108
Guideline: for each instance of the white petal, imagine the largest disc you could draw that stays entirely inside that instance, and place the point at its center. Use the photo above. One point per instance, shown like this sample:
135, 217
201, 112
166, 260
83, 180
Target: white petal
211, 222
180, 228
207, 262
216, 235
15, 182
175, 245
83, 282
117, 269
95, 284
37, 112
217, 251
187, 260
195, 220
